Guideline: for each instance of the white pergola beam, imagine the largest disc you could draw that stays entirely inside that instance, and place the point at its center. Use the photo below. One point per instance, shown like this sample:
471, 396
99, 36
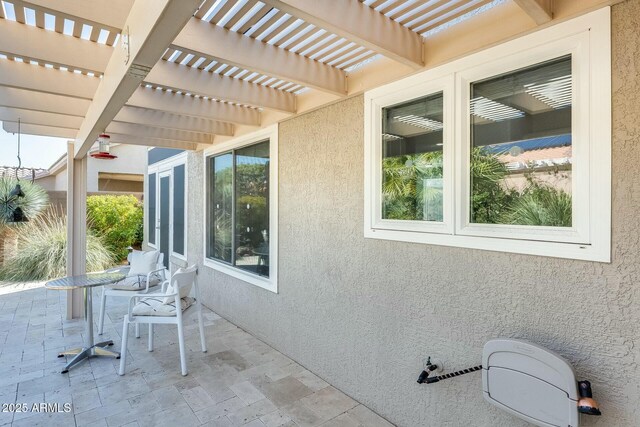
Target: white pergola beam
40, 130
152, 26
361, 24
47, 80
52, 48
69, 85
158, 133
235, 49
192, 80
152, 142
197, 107
44, 102
541, 11
27, 129
154, 123
161, 119
40, 118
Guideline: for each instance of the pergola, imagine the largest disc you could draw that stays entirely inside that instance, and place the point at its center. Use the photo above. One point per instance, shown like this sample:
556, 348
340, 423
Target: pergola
189, 73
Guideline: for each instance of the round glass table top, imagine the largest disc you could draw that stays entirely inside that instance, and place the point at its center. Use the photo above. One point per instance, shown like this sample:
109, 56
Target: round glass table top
84, 281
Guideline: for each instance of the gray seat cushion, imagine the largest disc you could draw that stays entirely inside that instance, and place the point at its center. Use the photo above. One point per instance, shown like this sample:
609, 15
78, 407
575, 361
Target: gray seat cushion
154, 306
136, 283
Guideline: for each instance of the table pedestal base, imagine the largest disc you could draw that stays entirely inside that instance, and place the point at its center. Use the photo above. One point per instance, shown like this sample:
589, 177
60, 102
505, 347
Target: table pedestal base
81, 354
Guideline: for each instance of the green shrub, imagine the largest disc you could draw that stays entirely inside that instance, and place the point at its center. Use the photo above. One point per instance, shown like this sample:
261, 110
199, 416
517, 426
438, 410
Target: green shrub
118, 220
42, 250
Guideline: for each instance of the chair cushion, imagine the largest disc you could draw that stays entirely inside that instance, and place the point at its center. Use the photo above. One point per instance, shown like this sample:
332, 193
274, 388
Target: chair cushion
142, 262
136, 283
154, 306
184, 291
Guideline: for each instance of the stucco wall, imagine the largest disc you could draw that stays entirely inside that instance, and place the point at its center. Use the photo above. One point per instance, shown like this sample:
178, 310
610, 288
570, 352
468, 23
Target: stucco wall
363, 314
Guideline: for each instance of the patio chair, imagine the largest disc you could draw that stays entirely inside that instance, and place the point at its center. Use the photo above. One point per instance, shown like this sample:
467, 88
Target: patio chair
145, 271
166, 307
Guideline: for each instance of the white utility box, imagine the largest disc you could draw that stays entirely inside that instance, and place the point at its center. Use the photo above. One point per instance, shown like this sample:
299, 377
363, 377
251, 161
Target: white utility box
530, 382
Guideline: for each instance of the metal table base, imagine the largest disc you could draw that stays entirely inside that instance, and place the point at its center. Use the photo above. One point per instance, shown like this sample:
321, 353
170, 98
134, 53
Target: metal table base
91, 349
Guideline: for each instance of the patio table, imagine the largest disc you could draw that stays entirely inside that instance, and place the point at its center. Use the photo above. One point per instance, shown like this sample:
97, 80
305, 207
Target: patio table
86, 282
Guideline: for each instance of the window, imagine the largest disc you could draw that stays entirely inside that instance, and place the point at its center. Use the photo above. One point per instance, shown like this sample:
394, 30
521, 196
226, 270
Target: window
508, 149
179, 191
412, 167
241, 208
521, 146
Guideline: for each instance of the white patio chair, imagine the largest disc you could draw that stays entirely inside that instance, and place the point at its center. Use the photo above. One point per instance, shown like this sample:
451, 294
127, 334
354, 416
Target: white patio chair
165, 307
145, 272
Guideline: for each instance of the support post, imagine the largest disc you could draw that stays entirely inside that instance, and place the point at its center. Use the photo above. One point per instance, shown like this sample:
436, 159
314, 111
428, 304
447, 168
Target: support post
76, 227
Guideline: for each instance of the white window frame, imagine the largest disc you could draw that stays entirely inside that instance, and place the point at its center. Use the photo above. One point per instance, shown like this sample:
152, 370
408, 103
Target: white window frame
163, 168
269, 133
588, 40
444, 85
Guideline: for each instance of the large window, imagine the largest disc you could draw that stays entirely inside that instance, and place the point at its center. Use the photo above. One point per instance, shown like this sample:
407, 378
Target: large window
240, 206
508, 149
521, 146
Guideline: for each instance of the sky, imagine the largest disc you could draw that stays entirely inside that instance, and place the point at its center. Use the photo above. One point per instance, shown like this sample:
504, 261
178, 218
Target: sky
35, 151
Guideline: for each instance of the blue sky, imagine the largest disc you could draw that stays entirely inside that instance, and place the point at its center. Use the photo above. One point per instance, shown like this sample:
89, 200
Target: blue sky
35, 151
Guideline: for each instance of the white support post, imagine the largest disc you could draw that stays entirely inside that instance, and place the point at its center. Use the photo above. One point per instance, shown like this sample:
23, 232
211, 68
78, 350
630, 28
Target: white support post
76, 227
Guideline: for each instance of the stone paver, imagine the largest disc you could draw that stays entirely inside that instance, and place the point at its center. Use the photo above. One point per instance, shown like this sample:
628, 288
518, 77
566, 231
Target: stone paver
240, 381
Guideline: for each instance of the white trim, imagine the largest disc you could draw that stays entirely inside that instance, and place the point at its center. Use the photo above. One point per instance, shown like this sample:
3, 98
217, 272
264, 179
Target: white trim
269, 133
588, 39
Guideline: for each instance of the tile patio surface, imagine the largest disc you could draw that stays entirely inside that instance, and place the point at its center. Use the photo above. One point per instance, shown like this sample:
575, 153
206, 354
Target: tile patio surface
240, 381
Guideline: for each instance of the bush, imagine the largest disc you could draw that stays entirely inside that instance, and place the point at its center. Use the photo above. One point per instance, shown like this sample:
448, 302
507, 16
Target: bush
118, 220
42, 250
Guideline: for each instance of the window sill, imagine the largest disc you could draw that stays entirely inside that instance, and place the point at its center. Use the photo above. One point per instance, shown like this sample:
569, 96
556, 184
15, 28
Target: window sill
262, 282
583, 252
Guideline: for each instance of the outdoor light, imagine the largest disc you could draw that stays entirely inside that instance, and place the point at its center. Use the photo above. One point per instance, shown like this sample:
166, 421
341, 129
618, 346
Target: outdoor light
103, 148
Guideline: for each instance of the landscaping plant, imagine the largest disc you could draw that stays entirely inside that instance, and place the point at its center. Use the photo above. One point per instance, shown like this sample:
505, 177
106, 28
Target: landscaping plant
42, 250
118, 220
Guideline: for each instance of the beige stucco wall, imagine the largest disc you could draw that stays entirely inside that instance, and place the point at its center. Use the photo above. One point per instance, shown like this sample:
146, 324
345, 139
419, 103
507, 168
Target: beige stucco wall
363, 314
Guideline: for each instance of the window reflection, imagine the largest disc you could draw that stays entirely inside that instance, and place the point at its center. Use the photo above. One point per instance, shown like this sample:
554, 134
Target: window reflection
412, 168
239, 208
252, 208
521, 158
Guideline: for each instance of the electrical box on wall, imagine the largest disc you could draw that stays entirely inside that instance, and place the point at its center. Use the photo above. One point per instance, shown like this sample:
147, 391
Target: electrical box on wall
530, 382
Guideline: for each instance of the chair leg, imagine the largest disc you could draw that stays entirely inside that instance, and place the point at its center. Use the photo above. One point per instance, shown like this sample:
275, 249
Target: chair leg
123, 350
150, 336
201, 325
103, 302
183, 359
137, 330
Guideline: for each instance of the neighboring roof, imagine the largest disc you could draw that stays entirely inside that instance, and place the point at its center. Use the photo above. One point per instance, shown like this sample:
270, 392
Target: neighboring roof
531, 144
23, 173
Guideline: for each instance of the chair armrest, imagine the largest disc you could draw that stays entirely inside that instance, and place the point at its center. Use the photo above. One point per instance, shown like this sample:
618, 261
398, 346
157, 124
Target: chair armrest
158, 270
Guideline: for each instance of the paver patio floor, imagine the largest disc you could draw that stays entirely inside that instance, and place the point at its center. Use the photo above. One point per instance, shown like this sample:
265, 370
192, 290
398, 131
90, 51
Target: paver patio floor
239, 381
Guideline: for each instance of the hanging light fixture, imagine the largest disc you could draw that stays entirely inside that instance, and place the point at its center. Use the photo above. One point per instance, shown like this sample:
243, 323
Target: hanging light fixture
17, 214
103, 148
